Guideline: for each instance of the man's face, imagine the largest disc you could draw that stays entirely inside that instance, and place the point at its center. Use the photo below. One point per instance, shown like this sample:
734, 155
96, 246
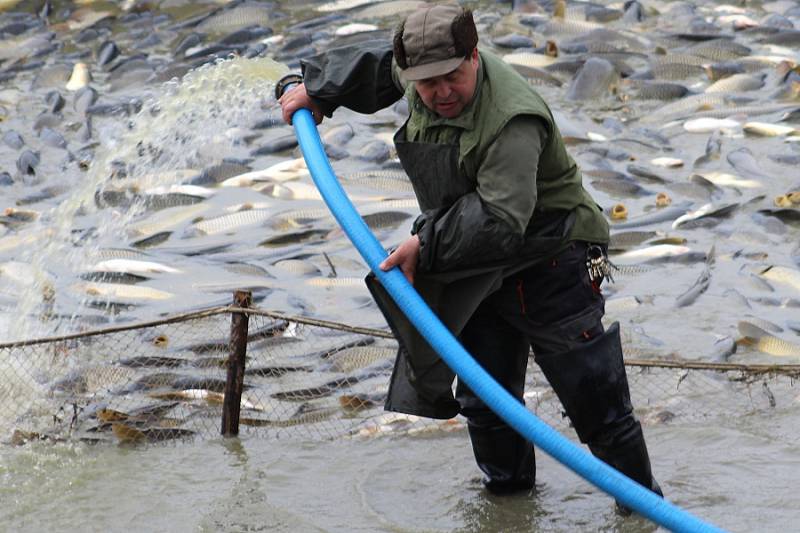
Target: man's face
447, 95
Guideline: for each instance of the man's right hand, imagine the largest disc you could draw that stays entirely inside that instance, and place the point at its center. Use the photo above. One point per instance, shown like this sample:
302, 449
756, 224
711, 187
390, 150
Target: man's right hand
295, 99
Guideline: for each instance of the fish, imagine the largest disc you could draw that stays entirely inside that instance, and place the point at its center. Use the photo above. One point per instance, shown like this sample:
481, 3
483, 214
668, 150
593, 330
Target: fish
305, 414
311, 235
356, 357
341, 5
230, 222
652, 252
335, 282
146, 414
719, 50
594, 80
93, 379
707, 125
782, 275
133, 266
144, 361
80, 77
628, 239
385, 9
670, 213
123, 292
174, 383
698, 287
130, 435
165, 219
764, 324
713, 149
667, 162
289, 170
623, 188
529, 60
354, 28
724, 179
737, 83
675, 71
236, 18
275, 371
113, 277
297, 218
213, 397
13, 140
330, 387
152, 240
653, 90
298, 267
273, 329
385, 219
646, 174
705, 212
745, 162
765, 129
767, 343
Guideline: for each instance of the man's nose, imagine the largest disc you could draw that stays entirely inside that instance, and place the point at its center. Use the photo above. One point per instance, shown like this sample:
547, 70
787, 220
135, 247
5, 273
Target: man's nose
443, 89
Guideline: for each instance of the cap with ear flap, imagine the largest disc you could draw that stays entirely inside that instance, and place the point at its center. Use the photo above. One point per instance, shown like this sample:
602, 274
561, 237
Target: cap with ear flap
434, 40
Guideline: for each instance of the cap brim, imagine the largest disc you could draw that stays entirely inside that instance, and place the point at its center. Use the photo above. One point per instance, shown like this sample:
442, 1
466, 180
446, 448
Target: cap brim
431, 70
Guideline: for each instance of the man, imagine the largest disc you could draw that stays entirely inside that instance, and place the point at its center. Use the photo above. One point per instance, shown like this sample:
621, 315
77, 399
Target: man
509, 249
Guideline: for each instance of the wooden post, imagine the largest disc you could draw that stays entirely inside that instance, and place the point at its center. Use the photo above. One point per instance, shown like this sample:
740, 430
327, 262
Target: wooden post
238, 352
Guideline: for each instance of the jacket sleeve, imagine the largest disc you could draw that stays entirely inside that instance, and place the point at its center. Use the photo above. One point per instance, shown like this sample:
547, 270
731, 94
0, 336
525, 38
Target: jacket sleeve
488, 224
362, 77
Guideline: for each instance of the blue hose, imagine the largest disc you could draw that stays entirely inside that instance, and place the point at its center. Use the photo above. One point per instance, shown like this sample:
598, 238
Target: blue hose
627, 491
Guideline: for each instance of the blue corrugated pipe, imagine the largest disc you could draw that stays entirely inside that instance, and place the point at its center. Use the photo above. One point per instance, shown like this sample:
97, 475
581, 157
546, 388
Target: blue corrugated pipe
627, 491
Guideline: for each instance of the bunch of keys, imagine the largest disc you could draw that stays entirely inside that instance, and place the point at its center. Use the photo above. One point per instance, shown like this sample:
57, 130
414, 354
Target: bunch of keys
597, 264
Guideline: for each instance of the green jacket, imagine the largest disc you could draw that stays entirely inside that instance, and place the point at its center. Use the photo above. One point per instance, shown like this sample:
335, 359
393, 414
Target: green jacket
510, 147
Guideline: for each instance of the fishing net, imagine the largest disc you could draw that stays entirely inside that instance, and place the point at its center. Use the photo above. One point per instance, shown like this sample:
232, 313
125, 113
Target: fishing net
303, 379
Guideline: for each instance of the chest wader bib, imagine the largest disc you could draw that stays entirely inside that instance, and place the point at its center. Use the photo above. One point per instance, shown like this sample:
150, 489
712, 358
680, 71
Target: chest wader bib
421, 383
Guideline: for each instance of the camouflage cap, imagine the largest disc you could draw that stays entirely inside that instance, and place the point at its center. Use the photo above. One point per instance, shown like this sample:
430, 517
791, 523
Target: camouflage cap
434, 40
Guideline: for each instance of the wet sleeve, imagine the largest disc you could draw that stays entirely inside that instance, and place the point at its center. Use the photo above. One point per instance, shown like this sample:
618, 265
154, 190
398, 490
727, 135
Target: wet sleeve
361, 78
488, 224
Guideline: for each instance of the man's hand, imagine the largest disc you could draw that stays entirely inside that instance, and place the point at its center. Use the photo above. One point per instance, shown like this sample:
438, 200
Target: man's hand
295, 99
406, 257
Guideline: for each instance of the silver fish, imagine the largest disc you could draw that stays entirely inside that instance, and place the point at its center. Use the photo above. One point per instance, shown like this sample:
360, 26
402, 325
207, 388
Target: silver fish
745, 162
594, 80
737, 83
698, 288
706, 216
661, 215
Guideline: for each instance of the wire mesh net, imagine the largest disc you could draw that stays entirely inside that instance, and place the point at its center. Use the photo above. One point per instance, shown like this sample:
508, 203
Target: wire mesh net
303, 379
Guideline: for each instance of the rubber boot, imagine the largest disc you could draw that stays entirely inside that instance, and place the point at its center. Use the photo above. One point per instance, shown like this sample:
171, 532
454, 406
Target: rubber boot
506, 458
627, 452
591, 382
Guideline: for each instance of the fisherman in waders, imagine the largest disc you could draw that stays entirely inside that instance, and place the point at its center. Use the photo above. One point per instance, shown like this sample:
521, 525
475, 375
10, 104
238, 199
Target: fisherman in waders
509, 251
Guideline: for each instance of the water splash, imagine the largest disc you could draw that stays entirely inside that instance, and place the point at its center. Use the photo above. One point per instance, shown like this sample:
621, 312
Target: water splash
183, 124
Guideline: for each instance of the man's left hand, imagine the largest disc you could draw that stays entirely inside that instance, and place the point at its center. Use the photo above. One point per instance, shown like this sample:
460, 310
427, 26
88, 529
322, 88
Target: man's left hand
406, 257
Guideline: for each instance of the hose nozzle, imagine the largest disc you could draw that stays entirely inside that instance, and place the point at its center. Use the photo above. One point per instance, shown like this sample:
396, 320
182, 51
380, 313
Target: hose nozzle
287, 82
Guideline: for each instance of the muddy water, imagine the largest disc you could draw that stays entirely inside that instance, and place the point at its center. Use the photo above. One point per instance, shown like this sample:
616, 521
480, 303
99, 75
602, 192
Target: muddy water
736, 478
736, 471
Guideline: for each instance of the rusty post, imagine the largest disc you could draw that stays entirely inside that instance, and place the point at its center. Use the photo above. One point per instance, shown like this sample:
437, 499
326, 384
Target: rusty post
238, 352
